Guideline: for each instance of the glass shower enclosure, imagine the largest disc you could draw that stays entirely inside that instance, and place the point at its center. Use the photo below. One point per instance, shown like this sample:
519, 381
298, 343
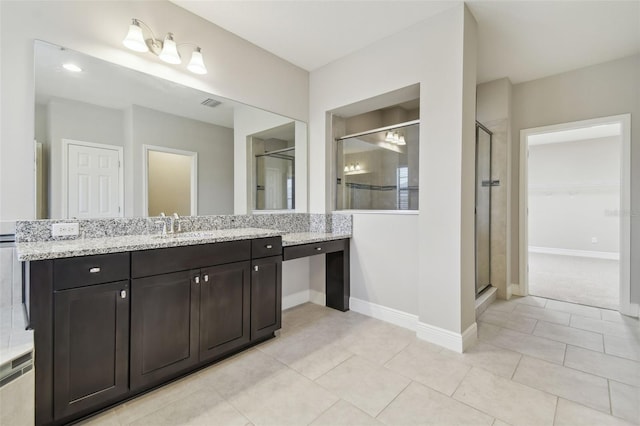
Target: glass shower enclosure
483, 207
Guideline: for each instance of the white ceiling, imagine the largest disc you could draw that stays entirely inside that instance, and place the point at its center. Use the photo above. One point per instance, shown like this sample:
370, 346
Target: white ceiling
522, 40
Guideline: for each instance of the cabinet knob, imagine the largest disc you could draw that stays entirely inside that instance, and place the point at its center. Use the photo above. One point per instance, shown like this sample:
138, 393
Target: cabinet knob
94, 270
318, 248
255, 268
206, 278
269, 246
123, 294
196, 280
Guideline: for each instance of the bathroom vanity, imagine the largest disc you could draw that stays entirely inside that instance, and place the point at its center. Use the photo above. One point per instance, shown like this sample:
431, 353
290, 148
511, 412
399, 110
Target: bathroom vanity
115, 317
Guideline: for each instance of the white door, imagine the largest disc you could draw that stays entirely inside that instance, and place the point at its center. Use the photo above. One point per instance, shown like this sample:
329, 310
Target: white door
93, 182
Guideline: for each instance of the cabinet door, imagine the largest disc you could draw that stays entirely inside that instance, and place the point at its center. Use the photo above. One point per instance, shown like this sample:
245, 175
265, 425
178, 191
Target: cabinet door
224, 309
164, 326
266, 296
91, 346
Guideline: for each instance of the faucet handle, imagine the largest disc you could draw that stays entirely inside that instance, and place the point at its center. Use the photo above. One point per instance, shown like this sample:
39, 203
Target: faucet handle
164, 226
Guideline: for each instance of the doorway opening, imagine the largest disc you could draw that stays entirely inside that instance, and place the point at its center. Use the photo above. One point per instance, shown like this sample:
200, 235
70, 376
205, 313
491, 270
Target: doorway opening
170, 180
574, 235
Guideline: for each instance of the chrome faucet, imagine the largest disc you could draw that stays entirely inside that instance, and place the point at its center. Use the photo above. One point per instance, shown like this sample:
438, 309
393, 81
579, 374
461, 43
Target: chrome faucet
172, 221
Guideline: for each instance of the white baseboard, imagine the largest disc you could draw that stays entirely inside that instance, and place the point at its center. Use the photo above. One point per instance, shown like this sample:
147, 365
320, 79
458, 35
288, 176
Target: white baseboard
317, 297
303, 296
295, 299
514, 290
578, 253
454, 341
383, 313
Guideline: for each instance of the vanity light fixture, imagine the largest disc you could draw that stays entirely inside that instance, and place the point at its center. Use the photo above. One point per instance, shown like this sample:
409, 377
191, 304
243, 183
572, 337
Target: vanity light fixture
389, 137
71, 67
401, 140
166, 50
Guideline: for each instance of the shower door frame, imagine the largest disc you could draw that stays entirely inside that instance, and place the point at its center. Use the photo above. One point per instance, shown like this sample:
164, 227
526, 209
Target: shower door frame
490, 133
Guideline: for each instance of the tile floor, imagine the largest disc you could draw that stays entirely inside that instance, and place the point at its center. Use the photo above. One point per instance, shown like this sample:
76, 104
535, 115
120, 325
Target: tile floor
537, 362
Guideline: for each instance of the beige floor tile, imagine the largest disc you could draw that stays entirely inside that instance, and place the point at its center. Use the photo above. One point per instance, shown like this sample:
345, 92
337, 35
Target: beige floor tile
17, 401
303, 314
420, 405
615, 316
310, 352
287, 398
527, 344
203, 408
531, 301
583, 388
419, 362
611, 367
344, 414
509, 320
623, 347
499, 361
543, 314
498, 422
620, 329
571, 414
150, 402
507, 400
487, 331
572, 336
364, 384
377, 341
503, 305
107, 418
240, 372
573, 308
625, 401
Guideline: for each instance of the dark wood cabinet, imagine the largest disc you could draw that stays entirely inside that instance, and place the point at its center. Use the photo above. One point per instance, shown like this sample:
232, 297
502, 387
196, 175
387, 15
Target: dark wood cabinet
164, 326
108, 327
266, 296
91, 350
225, 301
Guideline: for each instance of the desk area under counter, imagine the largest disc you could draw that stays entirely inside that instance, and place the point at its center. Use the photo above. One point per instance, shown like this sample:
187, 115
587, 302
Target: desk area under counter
136, 283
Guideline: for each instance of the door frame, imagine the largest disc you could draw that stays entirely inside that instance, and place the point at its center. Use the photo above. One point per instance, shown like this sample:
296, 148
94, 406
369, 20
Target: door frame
65, 172
145, 176
522, 289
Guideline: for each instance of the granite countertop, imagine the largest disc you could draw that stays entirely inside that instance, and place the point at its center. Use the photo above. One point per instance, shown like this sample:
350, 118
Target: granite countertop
91, 246
297, 238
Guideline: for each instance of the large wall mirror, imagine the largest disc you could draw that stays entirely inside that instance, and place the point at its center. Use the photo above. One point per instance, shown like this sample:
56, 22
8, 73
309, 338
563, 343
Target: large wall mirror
111, 141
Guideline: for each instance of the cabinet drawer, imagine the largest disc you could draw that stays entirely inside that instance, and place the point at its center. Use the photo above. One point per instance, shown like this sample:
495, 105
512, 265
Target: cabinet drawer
266, 247
161, 261
304, 250
76, 272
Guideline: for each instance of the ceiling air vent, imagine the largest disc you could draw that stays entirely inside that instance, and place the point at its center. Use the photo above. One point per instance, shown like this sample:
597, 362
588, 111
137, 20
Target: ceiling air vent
211, 103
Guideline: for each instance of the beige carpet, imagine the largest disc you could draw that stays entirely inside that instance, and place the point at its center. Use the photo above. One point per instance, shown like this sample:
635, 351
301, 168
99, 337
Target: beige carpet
587, 281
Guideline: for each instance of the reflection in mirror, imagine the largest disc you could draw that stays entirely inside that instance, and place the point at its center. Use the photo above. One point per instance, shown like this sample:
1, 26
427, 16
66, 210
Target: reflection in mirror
121, 109
274, 168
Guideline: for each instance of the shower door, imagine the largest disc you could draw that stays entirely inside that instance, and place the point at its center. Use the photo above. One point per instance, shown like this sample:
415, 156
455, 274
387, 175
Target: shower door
483, 208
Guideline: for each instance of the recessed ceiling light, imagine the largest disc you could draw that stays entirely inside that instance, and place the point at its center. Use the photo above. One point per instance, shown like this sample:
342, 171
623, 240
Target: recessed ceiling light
72, 67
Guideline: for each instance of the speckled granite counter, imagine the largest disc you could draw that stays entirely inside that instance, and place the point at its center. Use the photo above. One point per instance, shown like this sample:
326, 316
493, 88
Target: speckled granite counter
297, 238
90, 246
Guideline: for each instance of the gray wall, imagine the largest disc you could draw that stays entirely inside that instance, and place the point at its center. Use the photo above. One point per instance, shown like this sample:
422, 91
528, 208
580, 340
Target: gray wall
214, 145
573, 192
81, 122
606, 89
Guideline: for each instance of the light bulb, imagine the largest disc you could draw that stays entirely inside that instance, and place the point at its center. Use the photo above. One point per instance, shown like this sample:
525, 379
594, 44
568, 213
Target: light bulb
396, 138
346, 168
401, 140
135, 39
71, 67
169, 52
357, 166
196, 64
352, 167
389, 137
